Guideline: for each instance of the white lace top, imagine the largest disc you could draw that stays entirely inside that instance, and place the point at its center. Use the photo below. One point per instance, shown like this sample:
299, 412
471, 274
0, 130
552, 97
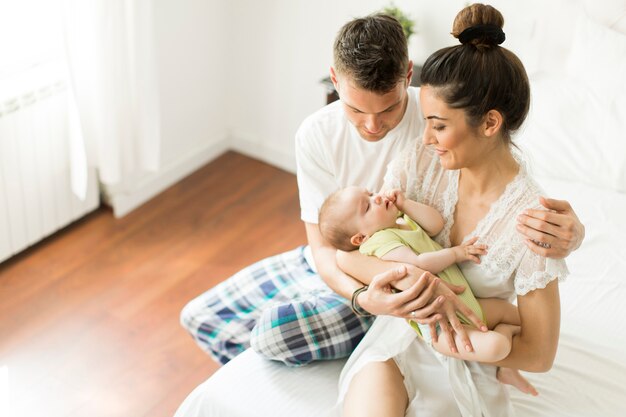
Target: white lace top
418, 172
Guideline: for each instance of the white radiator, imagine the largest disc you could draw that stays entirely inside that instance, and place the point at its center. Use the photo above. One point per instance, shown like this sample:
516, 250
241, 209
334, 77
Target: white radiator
35, 191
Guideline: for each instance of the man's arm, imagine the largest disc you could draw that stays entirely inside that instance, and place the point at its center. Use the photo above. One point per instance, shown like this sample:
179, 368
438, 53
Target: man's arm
417, 288
325, 258
553, 233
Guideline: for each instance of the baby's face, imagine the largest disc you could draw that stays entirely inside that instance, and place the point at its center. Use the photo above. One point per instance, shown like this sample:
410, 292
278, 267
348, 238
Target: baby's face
370, 212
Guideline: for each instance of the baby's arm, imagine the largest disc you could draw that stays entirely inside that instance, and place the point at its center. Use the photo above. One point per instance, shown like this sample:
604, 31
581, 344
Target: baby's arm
426, 216
435, 262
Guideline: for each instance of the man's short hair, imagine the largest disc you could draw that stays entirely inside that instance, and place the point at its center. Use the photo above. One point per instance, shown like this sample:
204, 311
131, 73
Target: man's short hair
373, 52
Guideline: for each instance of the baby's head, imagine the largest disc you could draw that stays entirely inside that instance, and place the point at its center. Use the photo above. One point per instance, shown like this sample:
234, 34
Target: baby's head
350, 215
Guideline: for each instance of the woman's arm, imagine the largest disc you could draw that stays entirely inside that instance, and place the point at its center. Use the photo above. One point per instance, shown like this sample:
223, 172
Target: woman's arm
534, 348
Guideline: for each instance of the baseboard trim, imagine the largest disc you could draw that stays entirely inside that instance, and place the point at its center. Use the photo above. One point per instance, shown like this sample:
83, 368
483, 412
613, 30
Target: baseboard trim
276, 157
125, 202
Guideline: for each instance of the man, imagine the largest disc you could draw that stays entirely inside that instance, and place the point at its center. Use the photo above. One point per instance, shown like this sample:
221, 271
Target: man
299, 306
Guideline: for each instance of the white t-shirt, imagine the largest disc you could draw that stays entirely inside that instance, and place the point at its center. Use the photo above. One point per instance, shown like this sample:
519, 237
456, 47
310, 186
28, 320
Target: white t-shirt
331, 154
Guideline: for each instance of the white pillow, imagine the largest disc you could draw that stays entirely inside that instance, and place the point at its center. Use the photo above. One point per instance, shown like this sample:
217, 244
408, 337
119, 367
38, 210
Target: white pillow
610, 13
575, 133
598, 56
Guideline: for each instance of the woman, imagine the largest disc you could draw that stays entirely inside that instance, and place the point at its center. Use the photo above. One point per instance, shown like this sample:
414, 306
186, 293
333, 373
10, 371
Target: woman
473, 97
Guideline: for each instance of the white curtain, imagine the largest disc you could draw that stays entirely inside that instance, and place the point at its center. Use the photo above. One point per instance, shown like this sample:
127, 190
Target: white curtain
113, 79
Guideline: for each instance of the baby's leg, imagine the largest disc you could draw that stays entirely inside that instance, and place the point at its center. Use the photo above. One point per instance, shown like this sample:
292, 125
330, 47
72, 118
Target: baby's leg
498, 311
490, 346
514, 377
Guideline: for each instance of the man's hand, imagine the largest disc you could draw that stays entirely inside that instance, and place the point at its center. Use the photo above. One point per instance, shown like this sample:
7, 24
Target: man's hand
380, 298
554, 233
425, 301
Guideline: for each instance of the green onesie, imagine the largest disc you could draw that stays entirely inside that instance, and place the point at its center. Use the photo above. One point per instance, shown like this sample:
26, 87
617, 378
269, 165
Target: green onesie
383, 241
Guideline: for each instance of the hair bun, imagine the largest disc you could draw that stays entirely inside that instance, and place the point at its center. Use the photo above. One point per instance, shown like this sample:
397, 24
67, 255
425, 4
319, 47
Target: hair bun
486, 34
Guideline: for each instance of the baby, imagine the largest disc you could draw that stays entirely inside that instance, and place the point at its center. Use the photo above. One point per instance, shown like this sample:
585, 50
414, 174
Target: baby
395, 228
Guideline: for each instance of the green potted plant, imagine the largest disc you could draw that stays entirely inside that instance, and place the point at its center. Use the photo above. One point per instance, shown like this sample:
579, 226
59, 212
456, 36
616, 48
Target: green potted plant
408, 25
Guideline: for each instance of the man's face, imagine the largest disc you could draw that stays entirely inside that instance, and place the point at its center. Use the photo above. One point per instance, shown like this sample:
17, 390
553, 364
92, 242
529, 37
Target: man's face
373, 114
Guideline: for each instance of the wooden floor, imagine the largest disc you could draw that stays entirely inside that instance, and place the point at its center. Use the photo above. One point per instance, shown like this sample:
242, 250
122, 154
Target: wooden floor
89, 317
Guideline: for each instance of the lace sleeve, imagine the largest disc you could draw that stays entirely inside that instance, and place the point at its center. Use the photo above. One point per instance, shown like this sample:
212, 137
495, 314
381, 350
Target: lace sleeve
536, 272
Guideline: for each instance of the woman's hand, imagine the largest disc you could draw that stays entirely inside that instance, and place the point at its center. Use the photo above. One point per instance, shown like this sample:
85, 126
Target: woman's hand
554, 233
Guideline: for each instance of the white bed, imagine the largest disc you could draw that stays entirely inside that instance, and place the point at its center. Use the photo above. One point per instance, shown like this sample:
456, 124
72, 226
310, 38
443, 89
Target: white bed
589, 375
576, 141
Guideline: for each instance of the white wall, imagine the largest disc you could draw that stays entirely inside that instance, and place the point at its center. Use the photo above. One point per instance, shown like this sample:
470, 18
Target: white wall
285, 48
194, 85
192, 75
237, 75
243, 74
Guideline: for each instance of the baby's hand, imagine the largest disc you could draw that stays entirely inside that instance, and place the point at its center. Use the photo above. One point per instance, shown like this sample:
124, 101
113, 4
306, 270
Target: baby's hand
396, 196
468, 251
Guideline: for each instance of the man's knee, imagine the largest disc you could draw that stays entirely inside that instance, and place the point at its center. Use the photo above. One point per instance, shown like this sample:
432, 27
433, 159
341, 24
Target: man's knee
300, 332
186, 317
189, 316
274, 338
202, 324
206, 328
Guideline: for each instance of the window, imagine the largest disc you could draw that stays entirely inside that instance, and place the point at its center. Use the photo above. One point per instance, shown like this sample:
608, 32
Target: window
30, 35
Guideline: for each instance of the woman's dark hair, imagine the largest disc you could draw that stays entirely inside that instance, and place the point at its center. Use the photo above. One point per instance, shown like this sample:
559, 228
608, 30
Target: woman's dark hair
479, 75
372, 51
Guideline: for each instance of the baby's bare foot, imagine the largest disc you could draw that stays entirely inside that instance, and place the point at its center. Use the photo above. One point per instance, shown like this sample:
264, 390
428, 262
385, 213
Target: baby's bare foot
514, 377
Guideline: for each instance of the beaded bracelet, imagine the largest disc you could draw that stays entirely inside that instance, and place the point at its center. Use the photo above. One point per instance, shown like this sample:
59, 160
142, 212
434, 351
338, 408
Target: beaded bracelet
358, 310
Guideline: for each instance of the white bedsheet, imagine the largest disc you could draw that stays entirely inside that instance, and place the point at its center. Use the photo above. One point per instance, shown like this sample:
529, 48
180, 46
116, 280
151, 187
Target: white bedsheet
588, 378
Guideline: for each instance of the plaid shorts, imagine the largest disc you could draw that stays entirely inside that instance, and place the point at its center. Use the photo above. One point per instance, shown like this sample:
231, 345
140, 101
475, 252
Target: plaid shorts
281, 308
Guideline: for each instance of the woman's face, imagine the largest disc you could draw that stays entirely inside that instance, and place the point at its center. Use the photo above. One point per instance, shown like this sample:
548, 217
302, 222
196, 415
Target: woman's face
447, 131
